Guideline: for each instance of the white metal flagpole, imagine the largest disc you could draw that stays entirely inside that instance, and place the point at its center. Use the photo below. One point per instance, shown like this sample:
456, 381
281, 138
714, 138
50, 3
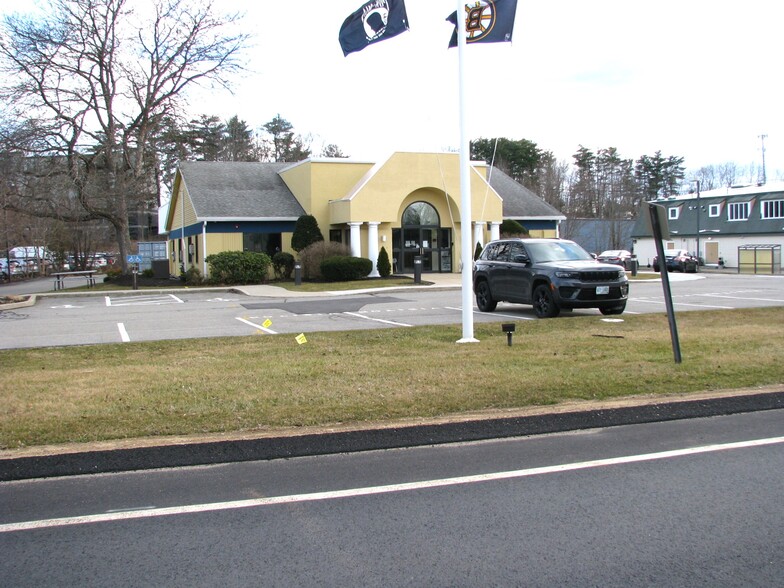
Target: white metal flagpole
466, 246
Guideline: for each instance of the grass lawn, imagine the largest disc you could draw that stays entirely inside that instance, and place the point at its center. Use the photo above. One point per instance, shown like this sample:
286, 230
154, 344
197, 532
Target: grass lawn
264, 382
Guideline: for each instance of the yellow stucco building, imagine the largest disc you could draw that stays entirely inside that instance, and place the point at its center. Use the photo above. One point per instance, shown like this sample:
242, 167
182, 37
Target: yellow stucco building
409, 204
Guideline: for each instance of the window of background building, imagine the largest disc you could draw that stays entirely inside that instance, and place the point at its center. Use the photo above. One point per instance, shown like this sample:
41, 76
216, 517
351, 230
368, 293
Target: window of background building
772, 209
738, 211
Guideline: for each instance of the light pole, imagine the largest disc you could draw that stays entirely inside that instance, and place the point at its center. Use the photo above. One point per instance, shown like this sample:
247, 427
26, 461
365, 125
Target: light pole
698, 223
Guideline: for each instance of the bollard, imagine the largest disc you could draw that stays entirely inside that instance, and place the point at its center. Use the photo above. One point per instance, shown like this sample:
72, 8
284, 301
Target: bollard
634, 265
298, 274
418, 269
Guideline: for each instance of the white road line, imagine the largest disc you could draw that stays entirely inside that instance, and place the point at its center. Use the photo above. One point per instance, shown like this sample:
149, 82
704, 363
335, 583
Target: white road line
779, 301
123, 333
265, 329
684, 304
376, 319
386, 489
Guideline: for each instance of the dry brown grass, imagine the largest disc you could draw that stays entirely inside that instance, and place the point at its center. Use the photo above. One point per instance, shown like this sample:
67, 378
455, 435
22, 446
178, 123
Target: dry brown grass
102, 392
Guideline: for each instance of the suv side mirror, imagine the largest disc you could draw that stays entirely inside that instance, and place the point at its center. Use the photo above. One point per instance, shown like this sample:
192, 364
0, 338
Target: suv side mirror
520, 258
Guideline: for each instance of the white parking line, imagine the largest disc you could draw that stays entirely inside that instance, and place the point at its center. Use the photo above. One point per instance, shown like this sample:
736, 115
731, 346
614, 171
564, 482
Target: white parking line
649, 301
377, 320
123, 333
265, 329
374, 490
779, 300
494, 314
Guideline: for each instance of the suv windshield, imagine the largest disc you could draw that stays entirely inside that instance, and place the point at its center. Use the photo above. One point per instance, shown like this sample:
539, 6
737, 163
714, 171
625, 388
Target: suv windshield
556, 251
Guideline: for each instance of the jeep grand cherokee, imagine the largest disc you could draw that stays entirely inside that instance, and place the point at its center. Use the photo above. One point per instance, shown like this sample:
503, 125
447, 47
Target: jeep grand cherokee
550, 275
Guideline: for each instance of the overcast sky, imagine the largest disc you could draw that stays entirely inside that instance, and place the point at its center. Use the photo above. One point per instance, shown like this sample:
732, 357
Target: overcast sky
700, 79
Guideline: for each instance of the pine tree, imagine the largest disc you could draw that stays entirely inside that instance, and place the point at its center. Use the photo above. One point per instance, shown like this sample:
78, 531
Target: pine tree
306, 232
383, 265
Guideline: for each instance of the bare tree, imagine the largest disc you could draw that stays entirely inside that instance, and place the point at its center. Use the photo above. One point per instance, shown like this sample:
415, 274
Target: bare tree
103, 79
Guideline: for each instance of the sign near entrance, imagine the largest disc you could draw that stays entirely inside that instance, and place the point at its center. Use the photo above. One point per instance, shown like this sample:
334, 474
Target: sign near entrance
134, 259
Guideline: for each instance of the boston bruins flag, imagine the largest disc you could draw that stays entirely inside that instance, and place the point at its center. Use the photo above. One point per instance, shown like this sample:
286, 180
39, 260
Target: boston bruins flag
375, 21
487, 21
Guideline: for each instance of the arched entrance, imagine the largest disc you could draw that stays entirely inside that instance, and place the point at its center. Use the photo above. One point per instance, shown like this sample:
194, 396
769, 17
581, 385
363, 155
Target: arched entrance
421, 235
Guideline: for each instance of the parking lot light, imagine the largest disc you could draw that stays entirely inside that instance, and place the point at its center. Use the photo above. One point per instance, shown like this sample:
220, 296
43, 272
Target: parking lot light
508, 328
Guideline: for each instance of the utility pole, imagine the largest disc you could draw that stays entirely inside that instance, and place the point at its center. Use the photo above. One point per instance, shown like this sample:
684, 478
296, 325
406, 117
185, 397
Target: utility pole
698, 223
764, 175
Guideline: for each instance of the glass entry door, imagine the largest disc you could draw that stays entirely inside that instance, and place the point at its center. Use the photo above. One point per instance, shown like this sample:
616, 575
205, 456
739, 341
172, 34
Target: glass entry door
421, 235
423, 242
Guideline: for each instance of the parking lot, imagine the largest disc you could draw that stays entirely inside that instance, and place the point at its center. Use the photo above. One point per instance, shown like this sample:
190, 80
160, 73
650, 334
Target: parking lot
122, 317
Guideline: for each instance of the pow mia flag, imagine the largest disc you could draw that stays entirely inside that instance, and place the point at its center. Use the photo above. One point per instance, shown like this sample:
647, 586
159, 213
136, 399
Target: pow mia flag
487, 21
375, 21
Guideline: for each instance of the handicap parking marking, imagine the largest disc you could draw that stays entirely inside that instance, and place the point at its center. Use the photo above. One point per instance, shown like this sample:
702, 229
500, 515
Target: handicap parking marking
152, 300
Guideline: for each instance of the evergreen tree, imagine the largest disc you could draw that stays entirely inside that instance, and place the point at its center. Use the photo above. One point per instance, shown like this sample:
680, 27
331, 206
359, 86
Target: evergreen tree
306, 232
237, 141
286, 146
383, 265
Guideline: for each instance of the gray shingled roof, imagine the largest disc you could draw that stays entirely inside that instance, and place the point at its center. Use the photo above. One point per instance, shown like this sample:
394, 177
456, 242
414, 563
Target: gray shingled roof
239, 190
519, 201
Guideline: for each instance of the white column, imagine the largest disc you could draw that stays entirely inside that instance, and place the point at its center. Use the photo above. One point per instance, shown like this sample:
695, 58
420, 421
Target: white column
356, 246
373, 248
479, 235
495, 230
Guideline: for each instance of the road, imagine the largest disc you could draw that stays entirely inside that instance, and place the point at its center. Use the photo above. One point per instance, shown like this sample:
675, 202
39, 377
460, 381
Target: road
681, 503
125, 317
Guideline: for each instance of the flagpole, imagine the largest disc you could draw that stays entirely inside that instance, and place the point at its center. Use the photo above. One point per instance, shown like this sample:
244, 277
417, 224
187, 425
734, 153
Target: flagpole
465, 189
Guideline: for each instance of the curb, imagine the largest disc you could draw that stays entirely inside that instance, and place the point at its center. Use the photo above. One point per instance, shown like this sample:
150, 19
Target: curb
396, 437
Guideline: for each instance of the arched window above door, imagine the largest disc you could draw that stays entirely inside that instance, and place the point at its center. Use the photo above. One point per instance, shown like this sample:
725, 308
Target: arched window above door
421, 214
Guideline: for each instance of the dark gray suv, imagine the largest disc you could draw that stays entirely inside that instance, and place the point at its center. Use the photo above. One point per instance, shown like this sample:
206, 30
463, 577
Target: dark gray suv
549, 274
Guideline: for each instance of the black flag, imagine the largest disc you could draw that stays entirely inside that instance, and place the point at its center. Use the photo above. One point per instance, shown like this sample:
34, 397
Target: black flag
375, 21
487, 21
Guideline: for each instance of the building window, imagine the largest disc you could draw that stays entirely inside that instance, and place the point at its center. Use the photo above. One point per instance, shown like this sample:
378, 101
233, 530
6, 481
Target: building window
674, 213
714, 210
772, 209
738, 211
336, 235
269, 243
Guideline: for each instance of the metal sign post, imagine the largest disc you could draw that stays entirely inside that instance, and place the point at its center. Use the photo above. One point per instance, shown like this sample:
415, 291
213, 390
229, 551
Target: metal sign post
659, 228
134, 260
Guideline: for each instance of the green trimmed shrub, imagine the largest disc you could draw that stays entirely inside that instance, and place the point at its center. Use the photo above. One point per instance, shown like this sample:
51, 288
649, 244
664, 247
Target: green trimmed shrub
306, 232
282, 265
312, 256
383, 265
511, 228
239, 267
345, 269
193, 277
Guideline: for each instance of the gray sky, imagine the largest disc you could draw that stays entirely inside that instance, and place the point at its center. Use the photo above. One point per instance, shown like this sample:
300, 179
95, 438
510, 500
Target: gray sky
693, 78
